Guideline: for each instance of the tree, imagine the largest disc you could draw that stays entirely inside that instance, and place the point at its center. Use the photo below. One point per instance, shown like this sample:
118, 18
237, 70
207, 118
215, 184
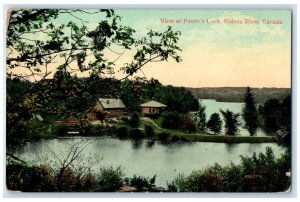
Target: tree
172, 120
177, 99
201, 118
232, 122
189, 124
214, 123
271, 114
49, 52
75, 42
250, 113
134, 121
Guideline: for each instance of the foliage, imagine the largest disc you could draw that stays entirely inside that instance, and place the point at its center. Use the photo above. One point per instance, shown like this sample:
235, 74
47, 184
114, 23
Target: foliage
29, 178
178, 99
123, 132
136, 133
175, 138
141, 183
134, 120
189, 125
172, 120
163, 136
214, 123
232, 122
109, 179
149, 131
277, 116
262, 173
200, 118
92, 130
250, 114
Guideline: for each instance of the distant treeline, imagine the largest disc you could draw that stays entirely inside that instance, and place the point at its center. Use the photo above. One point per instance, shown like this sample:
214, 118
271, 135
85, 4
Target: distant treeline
237, 94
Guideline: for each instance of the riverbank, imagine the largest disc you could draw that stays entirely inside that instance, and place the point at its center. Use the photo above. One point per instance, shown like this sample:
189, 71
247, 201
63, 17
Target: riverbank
229, 139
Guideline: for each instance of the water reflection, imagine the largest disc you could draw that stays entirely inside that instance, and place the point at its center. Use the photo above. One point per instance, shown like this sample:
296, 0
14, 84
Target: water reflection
137, 144
150, 143
230, 147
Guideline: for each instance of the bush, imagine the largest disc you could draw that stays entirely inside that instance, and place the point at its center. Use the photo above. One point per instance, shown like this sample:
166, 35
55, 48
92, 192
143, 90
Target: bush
141, 183
189, 125
136, 133
149, 131
92, 130
172, 120
26, 178
134, 121
110, 179
175, 138
60, 130
163, 136
110, 130
259, 173
88, 183
122, 132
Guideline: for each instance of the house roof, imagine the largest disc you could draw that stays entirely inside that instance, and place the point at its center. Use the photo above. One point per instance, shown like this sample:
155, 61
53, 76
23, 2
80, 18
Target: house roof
111, 103
153, 103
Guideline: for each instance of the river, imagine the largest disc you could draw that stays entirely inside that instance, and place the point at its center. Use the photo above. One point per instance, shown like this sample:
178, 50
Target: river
166, 161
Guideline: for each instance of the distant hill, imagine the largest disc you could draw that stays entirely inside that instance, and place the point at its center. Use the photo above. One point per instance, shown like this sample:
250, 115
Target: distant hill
236, 94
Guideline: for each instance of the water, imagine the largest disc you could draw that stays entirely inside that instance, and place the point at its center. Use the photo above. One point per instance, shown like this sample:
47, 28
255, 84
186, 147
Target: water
212, 106
142, 158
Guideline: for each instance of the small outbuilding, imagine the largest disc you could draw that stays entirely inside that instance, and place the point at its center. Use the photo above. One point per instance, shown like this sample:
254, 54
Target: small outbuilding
152, 108
111, 107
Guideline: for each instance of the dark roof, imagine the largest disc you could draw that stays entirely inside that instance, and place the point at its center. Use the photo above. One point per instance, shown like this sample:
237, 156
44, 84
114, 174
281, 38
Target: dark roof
153, 103
111, 103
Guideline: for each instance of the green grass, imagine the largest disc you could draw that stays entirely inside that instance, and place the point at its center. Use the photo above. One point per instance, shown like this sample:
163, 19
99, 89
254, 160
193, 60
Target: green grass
228, 139
158, 121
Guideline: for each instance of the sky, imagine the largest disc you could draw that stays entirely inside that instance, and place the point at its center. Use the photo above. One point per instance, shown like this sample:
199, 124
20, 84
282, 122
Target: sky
218, 55
215, 51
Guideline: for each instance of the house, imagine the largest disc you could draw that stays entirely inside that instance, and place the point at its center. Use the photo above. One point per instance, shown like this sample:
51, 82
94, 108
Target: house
110, 107
152, 108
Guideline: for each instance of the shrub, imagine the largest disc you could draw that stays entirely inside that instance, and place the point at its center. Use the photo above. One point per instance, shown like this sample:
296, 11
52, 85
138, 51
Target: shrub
175, 138
172, 120
189, 125
141, 183
66, 180
149, 131
89, 182
60, 130
110, 130
26, 178
93, 130
122, 132
110, 179
134, 121
259, 173
163, 136
136, 133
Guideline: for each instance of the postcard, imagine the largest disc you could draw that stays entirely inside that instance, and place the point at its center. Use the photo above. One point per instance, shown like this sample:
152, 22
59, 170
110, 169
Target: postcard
148, 100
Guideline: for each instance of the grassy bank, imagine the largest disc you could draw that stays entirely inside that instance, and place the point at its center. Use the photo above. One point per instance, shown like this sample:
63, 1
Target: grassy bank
227, 139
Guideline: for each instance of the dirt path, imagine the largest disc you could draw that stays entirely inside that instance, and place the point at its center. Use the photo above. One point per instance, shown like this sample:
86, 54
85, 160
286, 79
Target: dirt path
150, 122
